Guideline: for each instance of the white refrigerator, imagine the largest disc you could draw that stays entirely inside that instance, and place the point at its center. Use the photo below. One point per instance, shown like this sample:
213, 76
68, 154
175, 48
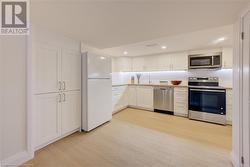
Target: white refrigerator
96, 90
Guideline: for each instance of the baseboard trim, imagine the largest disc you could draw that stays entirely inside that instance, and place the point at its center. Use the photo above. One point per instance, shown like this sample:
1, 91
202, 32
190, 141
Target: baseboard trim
235, 160
56, 139
180, 115
141, 108
119, 110
17, 159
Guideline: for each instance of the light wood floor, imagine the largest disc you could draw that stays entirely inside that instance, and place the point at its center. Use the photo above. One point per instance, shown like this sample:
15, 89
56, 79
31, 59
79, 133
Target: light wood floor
137, 138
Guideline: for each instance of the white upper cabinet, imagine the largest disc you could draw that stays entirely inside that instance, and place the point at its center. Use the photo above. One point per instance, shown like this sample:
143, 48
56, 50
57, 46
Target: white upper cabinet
47, 69
71, 111
71, 70
138, 64
151, 63
179, 61
122, 64
227, 58
166, 62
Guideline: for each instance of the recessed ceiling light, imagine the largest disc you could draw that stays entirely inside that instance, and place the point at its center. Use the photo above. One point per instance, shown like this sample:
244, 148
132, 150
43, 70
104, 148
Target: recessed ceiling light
163, 47
102, 58
221, 39
125, 52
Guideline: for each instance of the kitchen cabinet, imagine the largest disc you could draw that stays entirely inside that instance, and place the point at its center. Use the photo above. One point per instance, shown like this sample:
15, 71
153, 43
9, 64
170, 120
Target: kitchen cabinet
173, 62
181, 101
227, 58
47, 118
132, 100
164, 62
144, 97
119, 98
229, 105
70, 79
47, 68
138, 64
140, 97
56, 115
70, 111
57, 69
122, 64
151, 63
57, 87
179, 61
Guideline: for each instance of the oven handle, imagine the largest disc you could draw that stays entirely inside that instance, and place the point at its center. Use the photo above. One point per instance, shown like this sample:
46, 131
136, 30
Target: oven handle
207, 90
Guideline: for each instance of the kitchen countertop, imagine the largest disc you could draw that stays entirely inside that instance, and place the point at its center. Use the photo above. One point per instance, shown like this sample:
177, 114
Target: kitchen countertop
161, 85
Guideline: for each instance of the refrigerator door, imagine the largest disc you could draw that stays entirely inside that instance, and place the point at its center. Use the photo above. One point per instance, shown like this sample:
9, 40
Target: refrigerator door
99, 102
99, 66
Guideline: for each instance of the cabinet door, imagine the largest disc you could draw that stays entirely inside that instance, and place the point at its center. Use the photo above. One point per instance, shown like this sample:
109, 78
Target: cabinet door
181, 101
47, 118
227, 58
119, 97
47, 69
71, 70
122, 64
132, 96
138, 64
179, 61
145, 97
164, 63
71, 111
151, 63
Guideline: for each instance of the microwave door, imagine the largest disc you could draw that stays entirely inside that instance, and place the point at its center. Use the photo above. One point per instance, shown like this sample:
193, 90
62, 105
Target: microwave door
200, 62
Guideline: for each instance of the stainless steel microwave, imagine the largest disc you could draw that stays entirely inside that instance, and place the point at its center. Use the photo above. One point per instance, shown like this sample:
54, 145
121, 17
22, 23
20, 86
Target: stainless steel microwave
212, 60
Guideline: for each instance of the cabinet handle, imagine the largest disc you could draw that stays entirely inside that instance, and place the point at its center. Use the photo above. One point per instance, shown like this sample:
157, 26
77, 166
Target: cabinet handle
60, 85
64, 85
64, 97
60, 98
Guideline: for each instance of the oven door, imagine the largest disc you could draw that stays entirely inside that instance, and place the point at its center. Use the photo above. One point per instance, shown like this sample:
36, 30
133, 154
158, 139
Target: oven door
211, 101
200, 62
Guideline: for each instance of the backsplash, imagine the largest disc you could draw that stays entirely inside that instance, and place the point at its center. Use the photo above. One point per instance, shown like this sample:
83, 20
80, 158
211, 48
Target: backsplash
225, 76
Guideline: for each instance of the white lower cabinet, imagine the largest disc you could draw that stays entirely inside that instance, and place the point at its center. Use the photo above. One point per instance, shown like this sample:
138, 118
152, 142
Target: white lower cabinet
47, 118
181, 101
144, 97
56, 115
132, 96
119, 98
141, 97
71, 111
229, 107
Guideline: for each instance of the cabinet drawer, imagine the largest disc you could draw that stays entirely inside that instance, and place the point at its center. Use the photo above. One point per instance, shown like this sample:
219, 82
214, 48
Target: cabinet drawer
180, 89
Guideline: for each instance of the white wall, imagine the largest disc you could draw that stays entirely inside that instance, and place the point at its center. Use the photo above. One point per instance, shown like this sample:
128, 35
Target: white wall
225, 76
13, 93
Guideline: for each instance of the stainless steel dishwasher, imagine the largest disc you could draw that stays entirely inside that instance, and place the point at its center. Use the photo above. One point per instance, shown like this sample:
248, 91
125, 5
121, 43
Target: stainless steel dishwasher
164, 99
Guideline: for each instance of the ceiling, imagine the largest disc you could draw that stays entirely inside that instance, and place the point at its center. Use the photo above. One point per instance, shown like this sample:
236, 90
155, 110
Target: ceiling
111, 23
205, 39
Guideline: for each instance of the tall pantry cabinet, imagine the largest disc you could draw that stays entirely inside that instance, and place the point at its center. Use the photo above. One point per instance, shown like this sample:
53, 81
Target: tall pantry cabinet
56, 87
